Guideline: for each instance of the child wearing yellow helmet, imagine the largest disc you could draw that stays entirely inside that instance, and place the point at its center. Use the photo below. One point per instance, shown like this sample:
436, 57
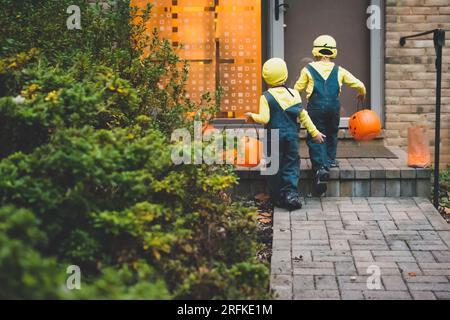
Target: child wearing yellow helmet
322, 80
280, 108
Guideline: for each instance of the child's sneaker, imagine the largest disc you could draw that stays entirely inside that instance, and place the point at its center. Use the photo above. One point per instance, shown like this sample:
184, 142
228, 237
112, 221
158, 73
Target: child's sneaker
293, 201
333, 163
321, 178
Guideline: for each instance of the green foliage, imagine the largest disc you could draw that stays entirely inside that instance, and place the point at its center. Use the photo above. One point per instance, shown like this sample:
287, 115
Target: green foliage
86, 170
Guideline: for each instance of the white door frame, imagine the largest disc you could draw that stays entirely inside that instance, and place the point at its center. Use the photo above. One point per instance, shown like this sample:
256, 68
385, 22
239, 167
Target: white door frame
377, 45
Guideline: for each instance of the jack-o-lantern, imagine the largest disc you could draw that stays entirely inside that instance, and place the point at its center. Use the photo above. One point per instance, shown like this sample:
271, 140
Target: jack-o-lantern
364, 125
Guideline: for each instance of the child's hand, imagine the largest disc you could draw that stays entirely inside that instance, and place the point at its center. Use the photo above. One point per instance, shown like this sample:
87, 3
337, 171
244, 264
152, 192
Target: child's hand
248, 115
320, 138
361, 98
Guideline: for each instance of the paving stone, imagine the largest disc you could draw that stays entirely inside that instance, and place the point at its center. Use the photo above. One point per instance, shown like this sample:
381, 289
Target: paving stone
430, 235
368, 245
281, 244
318, 235
362, 255
281, 281
378, 173
308, 225
394, 283
302, 234
303, 283
339, 245
427, 245
438, 223
346, 188
397, 245
425, 256
282, 234
362, 172
392, 173
423, 173
283, 293
387, 225
423, 295
441, 256
317, 295
349, 216
326, 283
332, 256
360, 200
377, 188
426, 279
333, 188
394, 258
442, 295
334, 225
423, 187
399, 215
386, 295
409, 268
361, 225
407, 188
436, 272
361, 188
345, 268
329, 206
352, 295
408, 173
402, 235
382, 200
429, 286
393, 188
378, 208
346, 172
314, 271
323, 217
299, 216
427, 265
334, 173
302, 255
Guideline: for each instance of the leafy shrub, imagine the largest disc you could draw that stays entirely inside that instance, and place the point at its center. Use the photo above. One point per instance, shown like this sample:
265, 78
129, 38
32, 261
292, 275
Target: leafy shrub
86, 173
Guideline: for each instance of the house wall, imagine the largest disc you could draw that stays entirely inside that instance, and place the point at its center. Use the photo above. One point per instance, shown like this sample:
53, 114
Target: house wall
410, 71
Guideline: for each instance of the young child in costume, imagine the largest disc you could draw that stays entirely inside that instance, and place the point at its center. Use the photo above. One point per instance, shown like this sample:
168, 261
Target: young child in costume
322, 81
280, 108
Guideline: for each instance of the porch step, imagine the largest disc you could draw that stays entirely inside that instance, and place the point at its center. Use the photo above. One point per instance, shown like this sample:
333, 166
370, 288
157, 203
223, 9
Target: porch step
372, 177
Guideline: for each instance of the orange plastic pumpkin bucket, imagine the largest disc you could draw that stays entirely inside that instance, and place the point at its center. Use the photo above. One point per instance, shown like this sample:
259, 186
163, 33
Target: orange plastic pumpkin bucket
364, 125
249, 156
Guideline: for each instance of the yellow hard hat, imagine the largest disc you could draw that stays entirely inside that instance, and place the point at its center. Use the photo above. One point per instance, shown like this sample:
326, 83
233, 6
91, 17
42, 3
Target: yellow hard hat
325, 46
275, 71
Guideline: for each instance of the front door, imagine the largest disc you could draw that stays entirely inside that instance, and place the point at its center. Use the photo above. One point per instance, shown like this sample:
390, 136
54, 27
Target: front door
346, 22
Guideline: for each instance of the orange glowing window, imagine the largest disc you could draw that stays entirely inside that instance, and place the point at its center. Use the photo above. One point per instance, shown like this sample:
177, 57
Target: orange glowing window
221, 39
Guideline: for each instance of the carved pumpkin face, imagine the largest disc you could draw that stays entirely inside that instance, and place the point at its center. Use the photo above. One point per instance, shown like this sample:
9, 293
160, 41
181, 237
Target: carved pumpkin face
364, 125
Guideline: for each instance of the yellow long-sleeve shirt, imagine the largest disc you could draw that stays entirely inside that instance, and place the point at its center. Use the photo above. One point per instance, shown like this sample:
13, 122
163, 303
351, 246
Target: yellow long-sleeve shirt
285, 100
306, 81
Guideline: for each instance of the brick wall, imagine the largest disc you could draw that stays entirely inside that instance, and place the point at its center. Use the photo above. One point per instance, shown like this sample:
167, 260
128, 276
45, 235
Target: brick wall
410, 71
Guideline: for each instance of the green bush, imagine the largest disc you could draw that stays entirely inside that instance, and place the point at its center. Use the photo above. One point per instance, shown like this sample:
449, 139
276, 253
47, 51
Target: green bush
86, 173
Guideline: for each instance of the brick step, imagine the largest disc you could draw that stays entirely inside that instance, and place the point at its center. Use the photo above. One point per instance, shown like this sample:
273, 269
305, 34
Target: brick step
375, 177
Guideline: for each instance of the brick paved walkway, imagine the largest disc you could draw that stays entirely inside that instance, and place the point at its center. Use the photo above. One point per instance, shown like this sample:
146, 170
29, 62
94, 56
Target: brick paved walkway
324, 250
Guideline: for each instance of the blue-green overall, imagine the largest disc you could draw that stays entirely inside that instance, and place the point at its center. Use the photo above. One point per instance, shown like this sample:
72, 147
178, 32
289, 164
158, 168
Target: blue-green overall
286, 180
324, 110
